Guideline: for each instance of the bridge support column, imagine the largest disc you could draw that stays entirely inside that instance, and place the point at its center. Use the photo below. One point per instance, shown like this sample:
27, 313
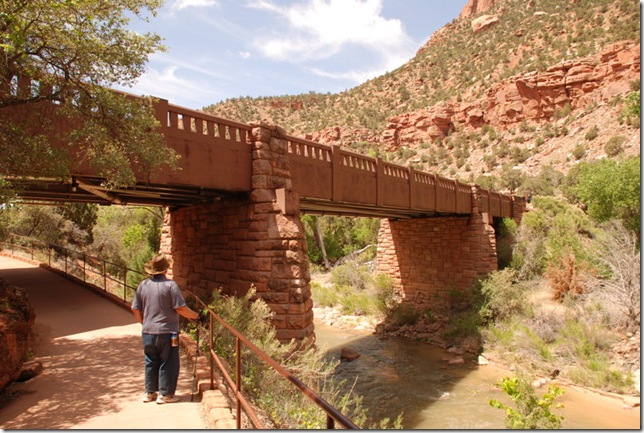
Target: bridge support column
255, 239
431, 258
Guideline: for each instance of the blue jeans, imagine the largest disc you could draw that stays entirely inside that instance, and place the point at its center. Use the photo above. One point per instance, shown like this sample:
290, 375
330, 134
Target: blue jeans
161, 364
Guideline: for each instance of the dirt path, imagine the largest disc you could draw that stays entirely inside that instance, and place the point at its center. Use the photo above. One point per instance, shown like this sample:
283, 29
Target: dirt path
93, 364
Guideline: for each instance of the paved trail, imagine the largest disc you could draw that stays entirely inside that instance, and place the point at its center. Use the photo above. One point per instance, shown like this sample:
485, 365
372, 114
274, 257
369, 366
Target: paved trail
93, 364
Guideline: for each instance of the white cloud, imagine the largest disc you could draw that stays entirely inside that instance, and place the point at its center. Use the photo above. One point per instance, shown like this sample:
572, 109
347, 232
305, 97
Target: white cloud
244, 54
319, 29
165, 82
182, 4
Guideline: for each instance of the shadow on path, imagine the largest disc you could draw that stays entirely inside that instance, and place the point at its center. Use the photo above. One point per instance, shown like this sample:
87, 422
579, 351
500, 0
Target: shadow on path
92, 363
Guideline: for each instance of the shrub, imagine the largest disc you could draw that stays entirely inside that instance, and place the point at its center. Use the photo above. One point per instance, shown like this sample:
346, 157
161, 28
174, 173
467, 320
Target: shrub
503, 297
609, 188
566, 276
323, 296
613, 147
592, 133
351, 274
280, 400
404, 314
579, 151
618, 285
531, 412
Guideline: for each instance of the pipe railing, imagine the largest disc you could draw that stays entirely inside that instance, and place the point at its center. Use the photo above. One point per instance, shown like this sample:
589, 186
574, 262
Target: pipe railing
108, 276
332, 414
91, 265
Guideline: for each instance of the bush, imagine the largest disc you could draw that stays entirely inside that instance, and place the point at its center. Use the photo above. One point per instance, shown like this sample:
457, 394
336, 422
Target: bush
592, 133
286, 407
566, 276
351, 274
608, 188
503, 297
613, 147
323, 296
617, 286
404, 314
550, 230
531, 412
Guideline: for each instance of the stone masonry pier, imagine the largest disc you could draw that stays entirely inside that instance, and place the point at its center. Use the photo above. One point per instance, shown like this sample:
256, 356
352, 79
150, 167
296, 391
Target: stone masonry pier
251, 240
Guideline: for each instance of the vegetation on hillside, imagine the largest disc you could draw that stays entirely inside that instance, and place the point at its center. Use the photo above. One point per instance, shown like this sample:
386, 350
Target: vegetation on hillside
455, 65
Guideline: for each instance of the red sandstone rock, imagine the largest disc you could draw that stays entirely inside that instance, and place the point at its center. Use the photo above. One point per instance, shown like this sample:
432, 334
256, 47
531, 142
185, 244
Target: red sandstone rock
17, 317
484, 22
349, 354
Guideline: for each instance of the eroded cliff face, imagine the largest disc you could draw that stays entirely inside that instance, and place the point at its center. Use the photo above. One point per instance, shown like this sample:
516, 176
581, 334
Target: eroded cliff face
586, 85
533, 96
17, 318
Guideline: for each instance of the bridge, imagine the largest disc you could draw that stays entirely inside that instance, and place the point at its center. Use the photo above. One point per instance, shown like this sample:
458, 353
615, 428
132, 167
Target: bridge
234, 207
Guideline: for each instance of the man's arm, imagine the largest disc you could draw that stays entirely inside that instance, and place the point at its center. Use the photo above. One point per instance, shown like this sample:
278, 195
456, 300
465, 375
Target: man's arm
138, 315
187, 312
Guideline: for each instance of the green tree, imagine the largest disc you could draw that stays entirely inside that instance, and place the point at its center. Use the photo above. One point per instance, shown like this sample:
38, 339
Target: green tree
610, 189
73, 51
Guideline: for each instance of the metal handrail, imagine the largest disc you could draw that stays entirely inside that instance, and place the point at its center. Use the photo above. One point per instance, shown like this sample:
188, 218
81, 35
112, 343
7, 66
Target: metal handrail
332, 414
90, 267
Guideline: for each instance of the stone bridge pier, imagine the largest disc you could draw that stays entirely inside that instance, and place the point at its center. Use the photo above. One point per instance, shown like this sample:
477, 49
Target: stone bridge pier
246, 240
434, 259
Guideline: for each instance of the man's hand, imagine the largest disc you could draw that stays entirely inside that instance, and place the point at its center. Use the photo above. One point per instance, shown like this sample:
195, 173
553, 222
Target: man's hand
203, 317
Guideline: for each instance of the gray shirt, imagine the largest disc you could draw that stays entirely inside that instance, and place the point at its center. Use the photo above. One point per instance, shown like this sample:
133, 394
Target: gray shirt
157, 298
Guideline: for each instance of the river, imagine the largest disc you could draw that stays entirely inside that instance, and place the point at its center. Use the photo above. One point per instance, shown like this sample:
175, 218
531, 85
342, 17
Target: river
401, 376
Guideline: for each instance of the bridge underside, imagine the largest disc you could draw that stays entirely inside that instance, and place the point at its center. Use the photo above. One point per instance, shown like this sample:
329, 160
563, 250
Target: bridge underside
334, 208
87, 189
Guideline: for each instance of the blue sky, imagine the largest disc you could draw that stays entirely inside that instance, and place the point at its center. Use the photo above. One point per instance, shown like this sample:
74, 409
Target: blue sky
220, 49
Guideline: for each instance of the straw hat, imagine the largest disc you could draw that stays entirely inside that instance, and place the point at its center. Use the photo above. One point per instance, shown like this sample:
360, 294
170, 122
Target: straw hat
158, 265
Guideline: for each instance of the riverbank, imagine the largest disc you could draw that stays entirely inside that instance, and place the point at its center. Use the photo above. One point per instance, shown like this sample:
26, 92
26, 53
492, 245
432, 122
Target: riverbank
470, 381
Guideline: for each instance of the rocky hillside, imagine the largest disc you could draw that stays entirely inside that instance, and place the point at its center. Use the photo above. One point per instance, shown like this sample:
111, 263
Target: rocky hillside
508, 86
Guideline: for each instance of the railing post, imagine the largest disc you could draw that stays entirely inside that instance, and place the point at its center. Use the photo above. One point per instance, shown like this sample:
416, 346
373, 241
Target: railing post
211, 360
455, 195
84, 268
380, 182
238, 380
412, 187
104, 276
336, 172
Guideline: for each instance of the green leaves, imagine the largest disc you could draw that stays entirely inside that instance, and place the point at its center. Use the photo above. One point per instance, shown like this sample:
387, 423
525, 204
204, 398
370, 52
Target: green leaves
530, 411
609, 188
74, 48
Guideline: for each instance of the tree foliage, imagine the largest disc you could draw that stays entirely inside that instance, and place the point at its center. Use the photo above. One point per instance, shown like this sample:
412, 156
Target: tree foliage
610, 189
72, 51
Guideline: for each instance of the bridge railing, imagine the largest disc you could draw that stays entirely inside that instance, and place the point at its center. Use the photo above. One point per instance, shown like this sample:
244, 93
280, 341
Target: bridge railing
319, 171
336, 174
114, 279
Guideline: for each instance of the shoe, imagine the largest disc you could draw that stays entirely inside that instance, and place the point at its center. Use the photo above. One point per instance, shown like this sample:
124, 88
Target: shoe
162, 399
149, 396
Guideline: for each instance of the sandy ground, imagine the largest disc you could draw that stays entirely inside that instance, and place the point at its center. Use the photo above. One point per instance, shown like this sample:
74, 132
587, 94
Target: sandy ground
93, 364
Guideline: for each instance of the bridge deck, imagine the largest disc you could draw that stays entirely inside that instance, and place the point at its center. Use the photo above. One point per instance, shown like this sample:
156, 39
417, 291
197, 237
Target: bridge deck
216, 160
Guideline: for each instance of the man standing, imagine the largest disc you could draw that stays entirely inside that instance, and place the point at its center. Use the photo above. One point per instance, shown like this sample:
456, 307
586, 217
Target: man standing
157, 305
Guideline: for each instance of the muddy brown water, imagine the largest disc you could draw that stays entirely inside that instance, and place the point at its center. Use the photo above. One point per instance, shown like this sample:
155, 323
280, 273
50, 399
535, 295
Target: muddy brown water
400, 376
